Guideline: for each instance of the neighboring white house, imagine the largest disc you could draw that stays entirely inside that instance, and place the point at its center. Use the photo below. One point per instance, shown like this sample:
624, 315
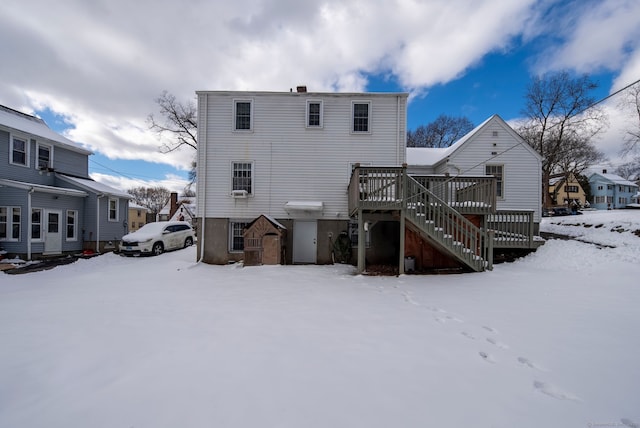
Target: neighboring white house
492, 148
288, 155
331, 169
178, 208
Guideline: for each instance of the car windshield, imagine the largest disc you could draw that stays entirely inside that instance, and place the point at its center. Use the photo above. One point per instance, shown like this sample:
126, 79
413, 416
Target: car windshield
152, 228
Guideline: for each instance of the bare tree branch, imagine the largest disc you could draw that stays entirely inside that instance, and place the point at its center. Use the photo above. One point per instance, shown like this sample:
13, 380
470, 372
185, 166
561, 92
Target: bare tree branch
560, 124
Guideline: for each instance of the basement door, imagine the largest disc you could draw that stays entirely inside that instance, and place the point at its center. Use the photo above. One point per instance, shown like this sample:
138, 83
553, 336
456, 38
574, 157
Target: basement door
53, 233
305, 236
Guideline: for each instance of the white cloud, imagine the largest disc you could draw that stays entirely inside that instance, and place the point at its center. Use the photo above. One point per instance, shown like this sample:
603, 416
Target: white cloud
599, 35
171, 182
102, 63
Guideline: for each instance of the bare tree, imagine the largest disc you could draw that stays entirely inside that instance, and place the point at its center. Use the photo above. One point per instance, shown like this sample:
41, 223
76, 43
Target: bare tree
630, 103
561, 122
178, 120
629, 170
442, 132
153, 198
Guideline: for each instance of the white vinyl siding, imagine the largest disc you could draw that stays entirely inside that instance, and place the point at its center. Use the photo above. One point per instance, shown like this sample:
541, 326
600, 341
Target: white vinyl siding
521, 165
289, 162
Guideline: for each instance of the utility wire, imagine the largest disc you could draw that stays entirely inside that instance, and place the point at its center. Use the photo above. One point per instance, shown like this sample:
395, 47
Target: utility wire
552, 126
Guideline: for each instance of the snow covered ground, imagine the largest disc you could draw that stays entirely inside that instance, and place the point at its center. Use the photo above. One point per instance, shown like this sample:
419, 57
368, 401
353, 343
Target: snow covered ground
550, 340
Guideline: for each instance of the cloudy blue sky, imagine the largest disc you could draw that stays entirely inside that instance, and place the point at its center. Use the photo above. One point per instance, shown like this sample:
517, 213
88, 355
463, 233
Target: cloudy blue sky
92, 69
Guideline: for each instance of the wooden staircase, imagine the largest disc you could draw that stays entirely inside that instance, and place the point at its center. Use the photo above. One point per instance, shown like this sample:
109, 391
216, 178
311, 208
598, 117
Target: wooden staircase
445, 228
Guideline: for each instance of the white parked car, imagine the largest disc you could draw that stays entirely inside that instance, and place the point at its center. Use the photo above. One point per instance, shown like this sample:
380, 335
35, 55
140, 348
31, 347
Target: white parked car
155, 238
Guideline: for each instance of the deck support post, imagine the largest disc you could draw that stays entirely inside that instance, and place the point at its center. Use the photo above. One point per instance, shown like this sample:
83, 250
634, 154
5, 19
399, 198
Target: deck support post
361, 242
403, 193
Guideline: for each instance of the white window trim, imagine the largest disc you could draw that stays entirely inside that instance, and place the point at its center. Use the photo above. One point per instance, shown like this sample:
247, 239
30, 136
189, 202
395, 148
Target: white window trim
504, 187
9, 211
50, 147
369, 116
251, 193
27, 146
41, 239
234, 118
75, 225
230, 240
117, 210
321, 125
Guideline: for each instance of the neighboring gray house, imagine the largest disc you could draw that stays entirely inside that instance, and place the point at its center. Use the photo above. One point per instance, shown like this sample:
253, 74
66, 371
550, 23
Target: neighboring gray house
610, 191
48, 203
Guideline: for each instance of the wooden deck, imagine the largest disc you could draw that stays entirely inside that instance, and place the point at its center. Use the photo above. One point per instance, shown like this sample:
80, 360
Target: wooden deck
437, 206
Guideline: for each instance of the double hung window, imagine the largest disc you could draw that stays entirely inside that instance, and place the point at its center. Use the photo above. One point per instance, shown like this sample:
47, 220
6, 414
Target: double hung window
10, 220
361, 112
314, 114
243, 115
242, 177
19, 151
498, 172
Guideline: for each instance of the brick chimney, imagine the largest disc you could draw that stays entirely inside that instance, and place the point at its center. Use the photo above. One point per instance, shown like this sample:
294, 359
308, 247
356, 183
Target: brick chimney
174, 204
301, 89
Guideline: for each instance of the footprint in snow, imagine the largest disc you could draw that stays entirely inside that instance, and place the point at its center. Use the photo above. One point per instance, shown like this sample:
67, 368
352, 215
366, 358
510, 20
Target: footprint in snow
491, 329
409, 299
488, 358
468, 335
554, 391
528, 363
629, 423
496, 343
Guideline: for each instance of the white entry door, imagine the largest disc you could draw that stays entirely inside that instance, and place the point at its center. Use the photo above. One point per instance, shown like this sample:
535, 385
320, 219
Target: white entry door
305, 237
53, 232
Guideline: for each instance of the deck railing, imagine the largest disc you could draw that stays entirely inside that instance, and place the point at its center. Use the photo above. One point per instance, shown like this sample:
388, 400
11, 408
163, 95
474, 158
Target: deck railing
376, 188
468, 195
512, 229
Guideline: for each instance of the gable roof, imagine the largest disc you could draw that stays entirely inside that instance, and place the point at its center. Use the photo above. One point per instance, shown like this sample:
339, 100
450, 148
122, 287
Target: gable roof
94, 187
28, 124
433, 156
613, 178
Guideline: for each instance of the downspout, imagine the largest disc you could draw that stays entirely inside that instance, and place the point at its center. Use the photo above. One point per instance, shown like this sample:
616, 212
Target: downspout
202, 175
31, 190
98, 222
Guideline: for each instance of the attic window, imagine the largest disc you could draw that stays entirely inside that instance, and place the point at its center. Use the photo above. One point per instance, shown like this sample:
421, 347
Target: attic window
495, 133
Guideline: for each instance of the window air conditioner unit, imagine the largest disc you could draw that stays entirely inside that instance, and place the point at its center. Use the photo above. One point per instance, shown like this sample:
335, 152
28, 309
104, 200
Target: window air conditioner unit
239, 193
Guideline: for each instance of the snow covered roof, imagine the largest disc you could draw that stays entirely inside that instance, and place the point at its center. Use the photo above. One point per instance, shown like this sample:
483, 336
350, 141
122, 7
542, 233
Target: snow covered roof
614, 178
42, 188
432, 156
135, 206
35, 126
94, 186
